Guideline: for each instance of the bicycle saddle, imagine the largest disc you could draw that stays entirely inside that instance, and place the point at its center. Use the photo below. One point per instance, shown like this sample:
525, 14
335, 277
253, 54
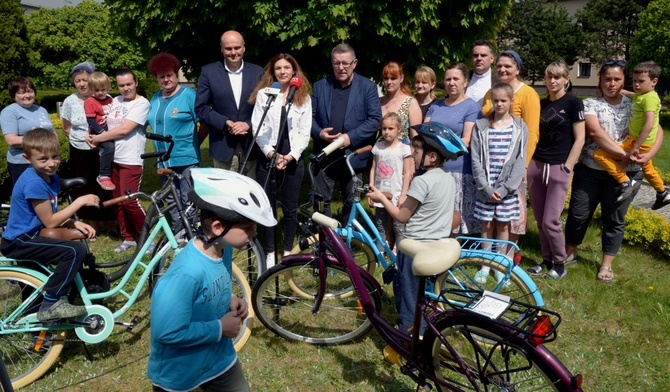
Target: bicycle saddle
67, 183
431, 258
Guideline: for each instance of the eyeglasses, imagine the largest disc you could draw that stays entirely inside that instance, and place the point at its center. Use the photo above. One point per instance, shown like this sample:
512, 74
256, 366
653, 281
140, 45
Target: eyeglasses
343, 64
612, 63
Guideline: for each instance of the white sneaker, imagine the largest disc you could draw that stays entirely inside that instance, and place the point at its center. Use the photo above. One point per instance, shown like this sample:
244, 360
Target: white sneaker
270, 260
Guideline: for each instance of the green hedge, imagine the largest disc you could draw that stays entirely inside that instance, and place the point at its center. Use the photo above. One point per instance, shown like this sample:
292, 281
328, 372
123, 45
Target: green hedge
649, 230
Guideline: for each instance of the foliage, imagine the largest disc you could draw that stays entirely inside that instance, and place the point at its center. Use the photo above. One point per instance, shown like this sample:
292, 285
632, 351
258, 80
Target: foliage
541, 32
609, 27
14, 50
434, 32
649, 230
651, 40
64, 37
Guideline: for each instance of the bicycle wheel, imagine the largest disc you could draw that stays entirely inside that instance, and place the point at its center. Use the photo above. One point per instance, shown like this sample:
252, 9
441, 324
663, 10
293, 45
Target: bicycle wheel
497, 358
242, 290
363, 255
289, 315
250, 260
462, 277
26, 357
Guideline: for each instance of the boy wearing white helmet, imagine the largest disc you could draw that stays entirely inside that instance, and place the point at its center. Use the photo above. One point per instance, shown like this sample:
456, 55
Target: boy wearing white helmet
428, 208
194, 314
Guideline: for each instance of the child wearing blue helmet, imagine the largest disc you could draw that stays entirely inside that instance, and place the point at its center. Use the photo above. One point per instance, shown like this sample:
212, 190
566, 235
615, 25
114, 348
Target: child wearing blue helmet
194, 314
428, 209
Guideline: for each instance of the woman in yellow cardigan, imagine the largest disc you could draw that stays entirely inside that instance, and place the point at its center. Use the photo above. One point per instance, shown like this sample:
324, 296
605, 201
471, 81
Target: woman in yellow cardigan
526, 105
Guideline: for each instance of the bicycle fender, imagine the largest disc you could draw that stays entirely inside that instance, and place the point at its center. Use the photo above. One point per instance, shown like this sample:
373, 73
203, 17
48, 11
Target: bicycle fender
523, 275
17, 268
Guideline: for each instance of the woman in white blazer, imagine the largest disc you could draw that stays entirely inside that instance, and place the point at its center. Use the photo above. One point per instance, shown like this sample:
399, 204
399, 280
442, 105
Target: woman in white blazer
288, 145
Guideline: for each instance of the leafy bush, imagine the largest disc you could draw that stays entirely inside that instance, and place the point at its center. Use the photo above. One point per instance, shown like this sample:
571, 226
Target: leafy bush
649, 230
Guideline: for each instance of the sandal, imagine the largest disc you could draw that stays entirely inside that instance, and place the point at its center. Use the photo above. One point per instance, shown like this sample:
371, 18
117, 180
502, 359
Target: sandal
539, 269
605, 274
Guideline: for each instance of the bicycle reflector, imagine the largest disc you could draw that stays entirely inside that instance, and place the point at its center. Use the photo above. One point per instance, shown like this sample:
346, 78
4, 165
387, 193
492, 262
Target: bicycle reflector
540, 329
576, 381
517, 258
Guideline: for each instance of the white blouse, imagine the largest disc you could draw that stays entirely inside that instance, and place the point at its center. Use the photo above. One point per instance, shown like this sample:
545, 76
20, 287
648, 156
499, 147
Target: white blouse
299, 120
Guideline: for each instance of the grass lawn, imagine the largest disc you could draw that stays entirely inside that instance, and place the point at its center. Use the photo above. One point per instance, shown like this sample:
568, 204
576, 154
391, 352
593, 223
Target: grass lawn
615, 335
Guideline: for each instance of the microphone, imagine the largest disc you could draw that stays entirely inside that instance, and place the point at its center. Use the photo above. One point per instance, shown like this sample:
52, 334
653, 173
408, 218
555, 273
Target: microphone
294, 84
272, 92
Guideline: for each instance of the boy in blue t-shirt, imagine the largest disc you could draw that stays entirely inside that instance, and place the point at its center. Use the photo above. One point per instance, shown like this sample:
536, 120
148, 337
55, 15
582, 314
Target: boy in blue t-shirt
427, 211
194, 314
34, 206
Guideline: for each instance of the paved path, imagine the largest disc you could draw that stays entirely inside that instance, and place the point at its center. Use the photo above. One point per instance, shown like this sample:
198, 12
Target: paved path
645, 198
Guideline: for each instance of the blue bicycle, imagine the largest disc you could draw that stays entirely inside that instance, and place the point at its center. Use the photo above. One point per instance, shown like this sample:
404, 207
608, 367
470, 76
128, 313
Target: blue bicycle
370, 249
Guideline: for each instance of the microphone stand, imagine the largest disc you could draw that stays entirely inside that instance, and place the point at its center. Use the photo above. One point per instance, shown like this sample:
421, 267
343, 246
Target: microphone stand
243, 168
271, 177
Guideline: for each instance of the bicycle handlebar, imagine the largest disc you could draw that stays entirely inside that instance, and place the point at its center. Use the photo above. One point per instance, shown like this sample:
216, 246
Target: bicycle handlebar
152, 154
115, 200
163, 172
160, 138
362, 150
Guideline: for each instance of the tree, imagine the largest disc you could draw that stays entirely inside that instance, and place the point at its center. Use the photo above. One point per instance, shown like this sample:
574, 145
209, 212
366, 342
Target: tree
15, 53
541, 32
609, 27
63, 37
652, 38
434, 32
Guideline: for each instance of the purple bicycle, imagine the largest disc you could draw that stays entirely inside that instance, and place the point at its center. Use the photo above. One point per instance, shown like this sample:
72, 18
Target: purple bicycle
468, 347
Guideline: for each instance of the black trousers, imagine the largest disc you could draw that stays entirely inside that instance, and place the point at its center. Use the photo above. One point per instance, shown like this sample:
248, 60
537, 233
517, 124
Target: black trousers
68, 256
289, 181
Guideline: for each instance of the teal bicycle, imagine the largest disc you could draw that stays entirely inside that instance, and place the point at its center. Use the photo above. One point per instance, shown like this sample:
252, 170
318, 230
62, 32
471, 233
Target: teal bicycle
30, 347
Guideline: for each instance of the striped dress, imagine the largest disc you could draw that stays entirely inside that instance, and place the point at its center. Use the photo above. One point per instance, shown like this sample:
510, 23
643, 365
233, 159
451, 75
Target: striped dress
508, 209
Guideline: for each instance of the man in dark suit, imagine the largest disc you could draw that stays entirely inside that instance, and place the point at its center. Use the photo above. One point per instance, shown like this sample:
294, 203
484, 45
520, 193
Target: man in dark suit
221, 102
344, 105
482, 77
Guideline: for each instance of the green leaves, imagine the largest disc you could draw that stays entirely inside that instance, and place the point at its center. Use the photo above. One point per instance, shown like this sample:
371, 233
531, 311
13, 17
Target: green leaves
652, 41
433, 32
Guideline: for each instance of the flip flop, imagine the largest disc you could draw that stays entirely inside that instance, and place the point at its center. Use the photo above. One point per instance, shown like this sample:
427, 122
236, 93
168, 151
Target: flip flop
605, 274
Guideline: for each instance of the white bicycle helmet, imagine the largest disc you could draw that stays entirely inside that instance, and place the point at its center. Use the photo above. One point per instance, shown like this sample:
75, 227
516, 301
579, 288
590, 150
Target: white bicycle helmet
231, 196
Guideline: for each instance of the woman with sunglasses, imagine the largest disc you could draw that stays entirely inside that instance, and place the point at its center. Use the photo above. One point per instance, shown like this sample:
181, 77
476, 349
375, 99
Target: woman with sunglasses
606, 118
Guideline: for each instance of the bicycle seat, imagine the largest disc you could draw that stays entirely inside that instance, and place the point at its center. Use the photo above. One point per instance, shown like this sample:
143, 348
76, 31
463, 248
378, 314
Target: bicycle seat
68, 183
62, 233
431, 258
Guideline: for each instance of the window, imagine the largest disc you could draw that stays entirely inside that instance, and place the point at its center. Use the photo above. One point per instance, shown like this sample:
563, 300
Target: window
584, 70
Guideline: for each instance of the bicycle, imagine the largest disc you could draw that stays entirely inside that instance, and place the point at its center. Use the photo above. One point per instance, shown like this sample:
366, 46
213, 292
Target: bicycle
30, 347
470, 346
371, 249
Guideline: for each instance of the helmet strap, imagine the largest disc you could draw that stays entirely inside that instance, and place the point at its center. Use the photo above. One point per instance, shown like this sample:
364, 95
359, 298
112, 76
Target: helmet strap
208, 241
423, 167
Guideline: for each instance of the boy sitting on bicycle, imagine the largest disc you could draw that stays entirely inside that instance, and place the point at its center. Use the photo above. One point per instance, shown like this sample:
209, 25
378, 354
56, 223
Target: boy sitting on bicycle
427, 211
194, 313
34, 206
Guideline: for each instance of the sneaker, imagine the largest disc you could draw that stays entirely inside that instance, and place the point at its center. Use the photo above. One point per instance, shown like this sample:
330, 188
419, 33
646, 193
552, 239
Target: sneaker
269, 260
125, 245
106, 183
499, 277
556, 275
627, 189
537, 270
61, 310
662, 200
150, 250
481, 276
572, 259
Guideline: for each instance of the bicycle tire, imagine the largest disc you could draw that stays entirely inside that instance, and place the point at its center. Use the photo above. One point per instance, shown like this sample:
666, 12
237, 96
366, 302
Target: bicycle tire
289, 315
462, 276
250, 260
498, 358
363, 255
24, 363
242, 290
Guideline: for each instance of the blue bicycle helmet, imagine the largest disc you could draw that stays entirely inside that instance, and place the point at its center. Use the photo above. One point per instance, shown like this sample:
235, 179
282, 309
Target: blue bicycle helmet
442, 139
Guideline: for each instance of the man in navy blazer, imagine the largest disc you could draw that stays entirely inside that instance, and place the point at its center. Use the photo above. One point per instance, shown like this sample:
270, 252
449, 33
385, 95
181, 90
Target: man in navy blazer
344, 105
221, 102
